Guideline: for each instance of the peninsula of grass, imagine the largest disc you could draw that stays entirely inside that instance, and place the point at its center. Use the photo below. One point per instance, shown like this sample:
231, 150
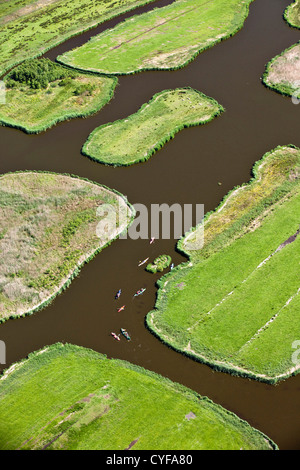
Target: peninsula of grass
159, 264
29, 29
283, 72
50, 227
292, 14
136, 138
66, 397
41, 93
236, 304
165, 38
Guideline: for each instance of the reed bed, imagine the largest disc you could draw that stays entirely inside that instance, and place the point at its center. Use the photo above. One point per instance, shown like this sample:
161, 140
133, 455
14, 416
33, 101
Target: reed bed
48, 232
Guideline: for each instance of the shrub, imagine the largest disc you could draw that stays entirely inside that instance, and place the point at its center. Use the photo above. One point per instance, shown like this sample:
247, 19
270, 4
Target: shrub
38, 73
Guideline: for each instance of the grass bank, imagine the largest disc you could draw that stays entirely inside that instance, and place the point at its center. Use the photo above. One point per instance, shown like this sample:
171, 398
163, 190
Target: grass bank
34, 110
30, 29
235, 304
137, 137
49, 230
46, 404
166, 38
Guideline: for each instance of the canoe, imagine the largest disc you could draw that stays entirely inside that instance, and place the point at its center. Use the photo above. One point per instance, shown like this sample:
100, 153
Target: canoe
125, 333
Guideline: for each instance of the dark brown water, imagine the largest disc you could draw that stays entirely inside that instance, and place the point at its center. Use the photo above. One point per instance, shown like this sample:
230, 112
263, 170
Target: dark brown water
187, 170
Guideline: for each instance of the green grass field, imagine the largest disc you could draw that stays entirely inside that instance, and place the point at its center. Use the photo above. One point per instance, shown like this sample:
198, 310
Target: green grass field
35, 111
235, 306
136, 138
28, 33
49, 229
72, 398
165, 38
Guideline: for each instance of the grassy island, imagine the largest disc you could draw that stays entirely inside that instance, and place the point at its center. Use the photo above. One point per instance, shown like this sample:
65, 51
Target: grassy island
41, 93
221, 308
136, 138
159, 264
49, 229
29, 28
72, 398
292, 14
166, 38
283, 72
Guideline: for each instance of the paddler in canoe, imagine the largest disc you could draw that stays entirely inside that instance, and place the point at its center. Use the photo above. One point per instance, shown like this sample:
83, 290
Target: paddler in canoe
125, 333
143, 262
115, 336
118, 294
139, 292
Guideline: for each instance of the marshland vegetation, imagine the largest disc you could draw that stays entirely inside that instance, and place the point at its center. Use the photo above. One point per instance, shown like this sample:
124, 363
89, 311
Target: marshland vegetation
48, 231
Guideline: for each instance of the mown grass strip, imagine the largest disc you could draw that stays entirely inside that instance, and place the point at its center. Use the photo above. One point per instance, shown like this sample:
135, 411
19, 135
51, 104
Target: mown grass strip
166, 38
240, 286
46, 404
137, 137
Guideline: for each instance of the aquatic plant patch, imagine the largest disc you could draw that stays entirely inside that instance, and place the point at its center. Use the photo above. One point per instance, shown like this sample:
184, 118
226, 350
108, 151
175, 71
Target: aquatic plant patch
29, 29
159, 264
40, 93
49, 229
165, 38
235, 305
71, 398
137, 137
